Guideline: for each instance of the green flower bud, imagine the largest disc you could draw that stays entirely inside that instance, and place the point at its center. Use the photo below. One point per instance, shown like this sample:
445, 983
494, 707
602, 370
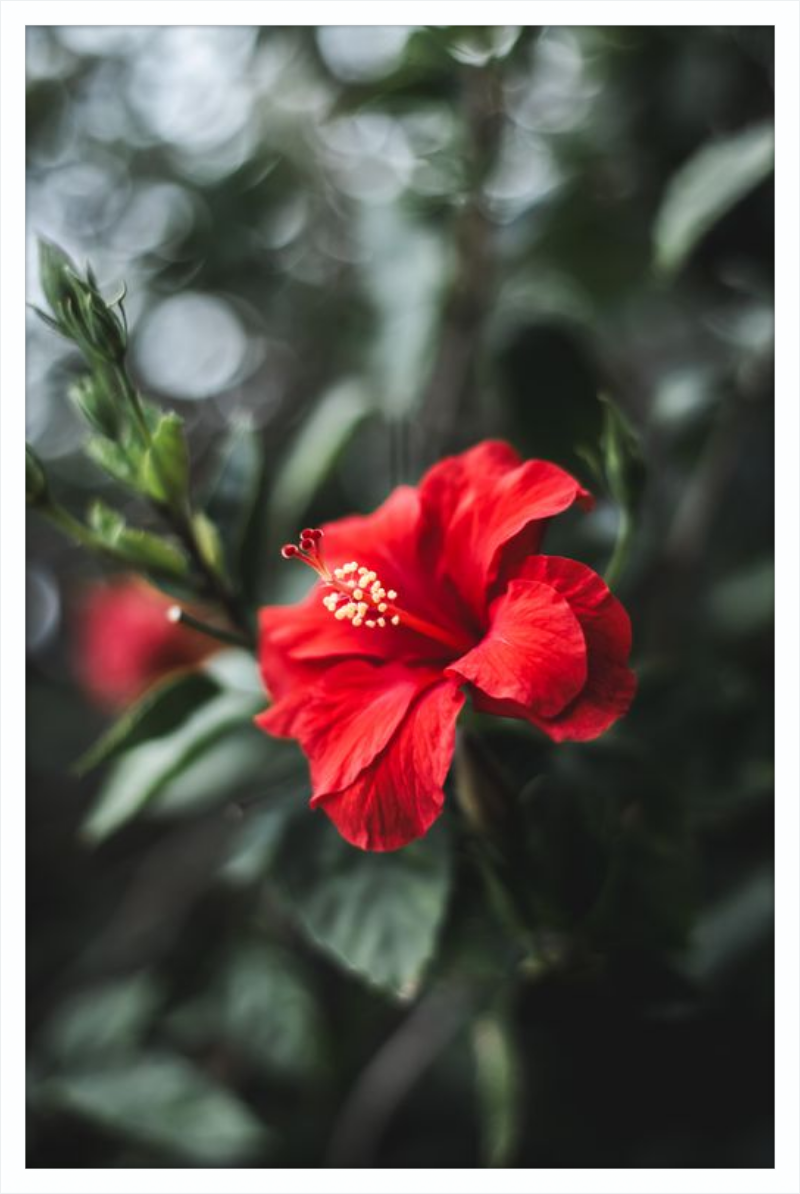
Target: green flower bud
35, 479
97, 405
57, 274
81, 313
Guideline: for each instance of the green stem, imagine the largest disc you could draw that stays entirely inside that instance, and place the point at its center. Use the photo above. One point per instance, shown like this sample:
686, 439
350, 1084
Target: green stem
71, 527
619, 556
182, 618
179, 518
131, 396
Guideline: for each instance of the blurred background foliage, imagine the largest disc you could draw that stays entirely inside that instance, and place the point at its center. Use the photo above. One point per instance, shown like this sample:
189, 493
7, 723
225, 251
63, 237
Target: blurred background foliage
348, 252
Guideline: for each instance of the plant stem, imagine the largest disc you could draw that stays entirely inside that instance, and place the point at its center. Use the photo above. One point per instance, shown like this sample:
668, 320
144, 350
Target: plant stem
622, 546
181, 522
74, 529
181, 617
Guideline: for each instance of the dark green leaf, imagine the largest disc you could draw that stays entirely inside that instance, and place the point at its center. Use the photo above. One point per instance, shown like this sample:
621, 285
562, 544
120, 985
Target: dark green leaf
102, 1022
314, 452
164, 1102
160, 710
376, 914
143, 772
232, 499
706, 187
261, 1005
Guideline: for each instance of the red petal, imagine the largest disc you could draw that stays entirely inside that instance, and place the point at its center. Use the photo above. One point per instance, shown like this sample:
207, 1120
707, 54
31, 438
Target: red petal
399, 796
534, 652
484, 503
610, 684
344, 720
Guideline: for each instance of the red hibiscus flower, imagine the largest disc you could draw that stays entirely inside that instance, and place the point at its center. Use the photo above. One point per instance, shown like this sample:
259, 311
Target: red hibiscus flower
442, 589
125, 642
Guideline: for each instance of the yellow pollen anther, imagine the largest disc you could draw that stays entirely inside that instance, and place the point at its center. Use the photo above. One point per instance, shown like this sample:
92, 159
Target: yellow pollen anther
382, 608
395, 620
391, 595
370, 623
338, 573
381, 621
358, 594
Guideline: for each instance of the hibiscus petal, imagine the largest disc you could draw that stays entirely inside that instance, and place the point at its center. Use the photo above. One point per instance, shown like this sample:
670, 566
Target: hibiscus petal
483, 504
610, 684
534, 652
346, 718
298, 642
399, 796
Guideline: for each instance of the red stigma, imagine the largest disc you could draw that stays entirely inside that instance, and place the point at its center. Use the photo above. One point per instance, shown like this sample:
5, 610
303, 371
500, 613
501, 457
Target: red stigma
288, 550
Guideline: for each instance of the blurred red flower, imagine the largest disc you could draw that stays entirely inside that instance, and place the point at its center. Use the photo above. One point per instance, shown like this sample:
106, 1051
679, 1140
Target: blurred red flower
125, 642
442, 588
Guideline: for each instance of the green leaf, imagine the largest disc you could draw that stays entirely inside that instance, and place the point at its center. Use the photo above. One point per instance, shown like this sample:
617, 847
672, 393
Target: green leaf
160, 710
233, 499
145, 770
209, 542
165, 464
315, 450
102, 1022
376, 914
98, 405
262, 1006
139, 548
107, 524
498, 1086
111, 458
150, 551
708, 186
165, 1103
35, 478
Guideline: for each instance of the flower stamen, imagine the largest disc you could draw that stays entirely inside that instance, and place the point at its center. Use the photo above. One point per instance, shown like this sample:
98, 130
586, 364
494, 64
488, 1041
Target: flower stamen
356, 594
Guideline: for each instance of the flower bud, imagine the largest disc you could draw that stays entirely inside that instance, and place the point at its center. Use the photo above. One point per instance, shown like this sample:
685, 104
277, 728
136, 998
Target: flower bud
81, 313
57, 274
35, 479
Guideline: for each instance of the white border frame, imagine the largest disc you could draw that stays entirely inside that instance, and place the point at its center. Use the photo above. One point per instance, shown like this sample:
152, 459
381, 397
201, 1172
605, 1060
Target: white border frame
15, 15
